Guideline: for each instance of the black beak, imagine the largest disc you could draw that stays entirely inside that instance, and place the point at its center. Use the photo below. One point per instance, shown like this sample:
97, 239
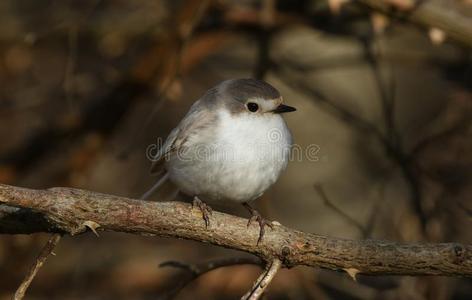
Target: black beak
282, 108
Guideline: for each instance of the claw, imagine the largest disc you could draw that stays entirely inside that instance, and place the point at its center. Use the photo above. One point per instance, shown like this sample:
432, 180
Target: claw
256, 216
204, 208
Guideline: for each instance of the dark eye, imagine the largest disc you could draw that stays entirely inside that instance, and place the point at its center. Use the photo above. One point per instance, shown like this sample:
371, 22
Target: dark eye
252, 107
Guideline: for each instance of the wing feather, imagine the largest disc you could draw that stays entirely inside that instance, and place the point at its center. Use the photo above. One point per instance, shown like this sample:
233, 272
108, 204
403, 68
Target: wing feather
195, 120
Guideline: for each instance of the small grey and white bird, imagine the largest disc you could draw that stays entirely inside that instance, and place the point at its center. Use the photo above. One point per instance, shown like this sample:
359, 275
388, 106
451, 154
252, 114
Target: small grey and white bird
232, 145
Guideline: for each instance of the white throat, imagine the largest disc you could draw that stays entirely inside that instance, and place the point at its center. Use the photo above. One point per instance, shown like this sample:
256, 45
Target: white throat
250, 136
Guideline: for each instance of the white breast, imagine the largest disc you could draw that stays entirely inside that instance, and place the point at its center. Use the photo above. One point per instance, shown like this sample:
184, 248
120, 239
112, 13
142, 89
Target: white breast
253, 150
243, 158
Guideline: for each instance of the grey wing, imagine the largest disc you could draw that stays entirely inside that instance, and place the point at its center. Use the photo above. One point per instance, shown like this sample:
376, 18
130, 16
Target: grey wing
157, 166
195, 120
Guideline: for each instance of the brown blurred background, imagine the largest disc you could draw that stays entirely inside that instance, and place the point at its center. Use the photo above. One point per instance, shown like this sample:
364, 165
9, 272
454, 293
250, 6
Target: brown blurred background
86, 86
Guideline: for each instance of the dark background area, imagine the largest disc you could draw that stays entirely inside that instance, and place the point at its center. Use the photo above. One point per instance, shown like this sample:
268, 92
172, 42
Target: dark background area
384, 104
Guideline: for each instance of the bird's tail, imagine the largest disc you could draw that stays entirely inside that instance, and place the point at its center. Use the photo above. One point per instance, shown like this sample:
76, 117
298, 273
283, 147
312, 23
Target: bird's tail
151, 191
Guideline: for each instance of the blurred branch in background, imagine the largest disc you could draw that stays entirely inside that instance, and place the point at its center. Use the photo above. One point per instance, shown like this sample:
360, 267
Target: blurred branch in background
393, 142
319, 189
101, 116
427, 14
364, 230
386, 134
193, 271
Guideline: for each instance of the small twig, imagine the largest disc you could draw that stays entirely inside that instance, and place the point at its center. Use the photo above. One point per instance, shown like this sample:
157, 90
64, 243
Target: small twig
319, 189
460, 127
468, 211
386, 91
264, 36
263, 281
197, 270
72, 56
45, 252
68, 84
369, 227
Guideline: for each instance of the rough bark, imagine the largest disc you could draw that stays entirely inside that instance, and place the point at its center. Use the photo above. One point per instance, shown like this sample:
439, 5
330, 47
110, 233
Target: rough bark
72, 211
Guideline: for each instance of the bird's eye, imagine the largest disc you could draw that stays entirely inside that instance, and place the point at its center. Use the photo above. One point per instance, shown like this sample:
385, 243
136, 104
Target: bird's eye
252, 107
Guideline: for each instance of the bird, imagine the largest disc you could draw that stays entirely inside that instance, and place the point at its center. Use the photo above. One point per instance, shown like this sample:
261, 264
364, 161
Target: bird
232, 145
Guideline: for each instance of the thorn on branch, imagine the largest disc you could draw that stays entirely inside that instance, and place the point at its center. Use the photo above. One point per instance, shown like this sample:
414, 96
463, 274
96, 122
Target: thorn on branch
43, 255
92, 226
352, 272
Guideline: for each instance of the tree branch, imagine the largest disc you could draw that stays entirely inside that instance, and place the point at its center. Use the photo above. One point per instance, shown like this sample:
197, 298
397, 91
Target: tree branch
72, 211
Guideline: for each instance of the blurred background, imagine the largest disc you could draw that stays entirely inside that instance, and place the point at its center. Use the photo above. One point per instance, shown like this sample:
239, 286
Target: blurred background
384, 103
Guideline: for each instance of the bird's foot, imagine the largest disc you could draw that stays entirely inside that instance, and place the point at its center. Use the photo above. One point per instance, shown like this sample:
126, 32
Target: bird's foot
204, 208
256, 216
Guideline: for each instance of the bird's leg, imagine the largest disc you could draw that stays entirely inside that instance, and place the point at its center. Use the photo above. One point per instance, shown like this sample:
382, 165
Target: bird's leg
204, 208
256, 216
